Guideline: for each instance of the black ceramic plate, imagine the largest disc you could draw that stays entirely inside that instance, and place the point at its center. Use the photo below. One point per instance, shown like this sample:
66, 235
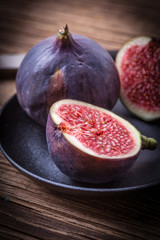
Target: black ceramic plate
23, 143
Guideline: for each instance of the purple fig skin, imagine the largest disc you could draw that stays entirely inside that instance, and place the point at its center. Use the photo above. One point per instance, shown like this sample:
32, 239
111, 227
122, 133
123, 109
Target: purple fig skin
74, 68
80, 166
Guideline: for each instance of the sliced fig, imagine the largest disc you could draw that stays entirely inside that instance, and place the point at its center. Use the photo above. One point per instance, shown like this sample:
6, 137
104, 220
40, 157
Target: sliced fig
66, 66
138, 63
92, 144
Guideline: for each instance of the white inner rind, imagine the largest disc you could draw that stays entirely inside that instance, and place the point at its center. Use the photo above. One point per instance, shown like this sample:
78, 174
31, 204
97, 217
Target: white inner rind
133, 131
139, 41
140, 111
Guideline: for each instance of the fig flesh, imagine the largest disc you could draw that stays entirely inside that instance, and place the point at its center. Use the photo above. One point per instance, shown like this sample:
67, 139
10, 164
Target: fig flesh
66, 66
92, 144
138, 63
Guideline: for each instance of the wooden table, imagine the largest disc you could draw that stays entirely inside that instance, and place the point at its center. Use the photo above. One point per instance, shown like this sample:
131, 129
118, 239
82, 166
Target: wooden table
31, 211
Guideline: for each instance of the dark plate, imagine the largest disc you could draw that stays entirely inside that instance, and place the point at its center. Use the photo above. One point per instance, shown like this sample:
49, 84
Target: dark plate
23, 143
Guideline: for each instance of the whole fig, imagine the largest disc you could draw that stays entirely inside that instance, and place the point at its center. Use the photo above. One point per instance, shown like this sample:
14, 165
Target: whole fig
66, 66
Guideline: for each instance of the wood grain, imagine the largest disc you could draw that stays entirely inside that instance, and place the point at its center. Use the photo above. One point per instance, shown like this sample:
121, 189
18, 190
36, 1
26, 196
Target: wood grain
110, 23
31, 211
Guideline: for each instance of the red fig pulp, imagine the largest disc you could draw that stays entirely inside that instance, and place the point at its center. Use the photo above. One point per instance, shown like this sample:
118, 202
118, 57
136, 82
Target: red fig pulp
91, 144
66, 66
138, 63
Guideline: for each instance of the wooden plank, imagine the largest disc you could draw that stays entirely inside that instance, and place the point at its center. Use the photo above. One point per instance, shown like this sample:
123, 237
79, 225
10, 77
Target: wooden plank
114, 23
7, 89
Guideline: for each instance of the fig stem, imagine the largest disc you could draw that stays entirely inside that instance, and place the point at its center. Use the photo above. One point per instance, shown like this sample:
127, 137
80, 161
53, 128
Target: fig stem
148, 143
63, 32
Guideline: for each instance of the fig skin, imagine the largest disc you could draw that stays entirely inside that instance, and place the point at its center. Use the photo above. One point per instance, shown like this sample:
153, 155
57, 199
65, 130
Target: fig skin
80, 166
66, 66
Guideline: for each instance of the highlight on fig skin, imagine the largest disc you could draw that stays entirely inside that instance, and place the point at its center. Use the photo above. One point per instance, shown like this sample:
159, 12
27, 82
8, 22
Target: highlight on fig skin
139, 69
92, 144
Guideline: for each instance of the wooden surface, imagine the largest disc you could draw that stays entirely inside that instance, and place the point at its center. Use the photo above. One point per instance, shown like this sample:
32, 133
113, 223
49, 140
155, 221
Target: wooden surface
31, 211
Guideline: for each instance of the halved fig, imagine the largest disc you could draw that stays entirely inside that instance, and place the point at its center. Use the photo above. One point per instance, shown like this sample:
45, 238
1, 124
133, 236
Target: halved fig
138, 63
92, 144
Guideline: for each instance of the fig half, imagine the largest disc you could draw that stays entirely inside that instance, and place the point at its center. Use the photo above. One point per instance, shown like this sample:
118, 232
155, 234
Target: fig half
66, 66
92, 144
138, 63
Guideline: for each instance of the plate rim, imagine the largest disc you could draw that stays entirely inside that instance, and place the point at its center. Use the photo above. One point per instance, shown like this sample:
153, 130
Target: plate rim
62, 185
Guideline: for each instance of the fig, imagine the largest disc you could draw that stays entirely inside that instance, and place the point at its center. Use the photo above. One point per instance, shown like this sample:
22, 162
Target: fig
66, 66
92, 144
138, 64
